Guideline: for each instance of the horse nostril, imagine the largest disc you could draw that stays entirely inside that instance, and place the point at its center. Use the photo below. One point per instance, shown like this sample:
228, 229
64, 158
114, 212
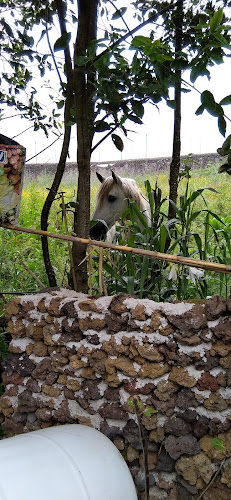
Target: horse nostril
99, 230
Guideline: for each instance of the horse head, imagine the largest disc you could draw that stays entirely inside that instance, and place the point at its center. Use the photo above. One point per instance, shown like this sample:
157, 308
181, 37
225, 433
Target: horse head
112, 200
110, 204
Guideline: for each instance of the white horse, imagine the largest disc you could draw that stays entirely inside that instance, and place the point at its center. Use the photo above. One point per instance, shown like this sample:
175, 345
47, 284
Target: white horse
112, 200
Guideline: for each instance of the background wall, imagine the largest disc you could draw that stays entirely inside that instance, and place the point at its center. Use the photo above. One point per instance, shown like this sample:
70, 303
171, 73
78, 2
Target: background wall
76, 358
129, 167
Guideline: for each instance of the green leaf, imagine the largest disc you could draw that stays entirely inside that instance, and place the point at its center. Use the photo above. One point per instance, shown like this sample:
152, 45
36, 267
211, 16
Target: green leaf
171, 103
222, 125
149, 412
209, 103
222, 40
101, 126
198, 70
135, 119
218, 443
116, 139
226, 100
1, 170
141, 42
130, 285
119, 13
226, 145
144, 274
138, 108
60, 104
200, 110
8, 29
216, 19
82, 60
62, 42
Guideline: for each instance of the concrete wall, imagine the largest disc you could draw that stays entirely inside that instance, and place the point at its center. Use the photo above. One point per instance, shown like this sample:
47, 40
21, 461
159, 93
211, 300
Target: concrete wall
129, 167
76, 358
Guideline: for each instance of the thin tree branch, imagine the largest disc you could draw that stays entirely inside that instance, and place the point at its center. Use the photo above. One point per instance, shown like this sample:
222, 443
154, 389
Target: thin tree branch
133, 31
42, 151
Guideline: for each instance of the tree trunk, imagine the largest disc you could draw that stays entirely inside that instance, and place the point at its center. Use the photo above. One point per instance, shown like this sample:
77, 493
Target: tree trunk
84, 109
47, 206
175, 163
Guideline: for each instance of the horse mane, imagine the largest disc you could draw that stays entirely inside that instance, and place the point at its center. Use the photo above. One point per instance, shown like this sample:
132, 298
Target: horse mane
130, 188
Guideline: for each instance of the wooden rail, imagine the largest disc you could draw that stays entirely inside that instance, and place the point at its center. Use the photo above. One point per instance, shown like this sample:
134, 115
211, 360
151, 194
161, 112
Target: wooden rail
184, 261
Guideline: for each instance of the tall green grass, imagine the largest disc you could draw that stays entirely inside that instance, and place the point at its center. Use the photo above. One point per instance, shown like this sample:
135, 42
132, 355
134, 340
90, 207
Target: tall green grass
16, 247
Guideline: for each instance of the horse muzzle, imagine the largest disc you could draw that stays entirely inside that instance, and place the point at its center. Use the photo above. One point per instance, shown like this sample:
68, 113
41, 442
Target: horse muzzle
99, 230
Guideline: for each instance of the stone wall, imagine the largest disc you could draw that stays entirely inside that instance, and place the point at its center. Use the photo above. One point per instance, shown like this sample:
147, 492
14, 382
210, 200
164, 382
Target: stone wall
76, 358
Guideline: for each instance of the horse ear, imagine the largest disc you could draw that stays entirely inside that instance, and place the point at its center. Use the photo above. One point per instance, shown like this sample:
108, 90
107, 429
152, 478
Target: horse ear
116, 178
100, 177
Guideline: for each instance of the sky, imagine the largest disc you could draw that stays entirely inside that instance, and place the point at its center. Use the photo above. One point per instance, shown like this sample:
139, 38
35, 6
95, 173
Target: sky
153, 139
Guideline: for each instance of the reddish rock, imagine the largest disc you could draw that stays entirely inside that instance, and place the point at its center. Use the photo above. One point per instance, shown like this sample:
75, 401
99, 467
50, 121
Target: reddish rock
33, 385
130, 386
163, 407
12, 378
147, 388
207, 381
215, 307
116, 322
69, 309
93, 339
112, 411
62, 414
112, 394
223, 330
18, 363
190, 321
42, 369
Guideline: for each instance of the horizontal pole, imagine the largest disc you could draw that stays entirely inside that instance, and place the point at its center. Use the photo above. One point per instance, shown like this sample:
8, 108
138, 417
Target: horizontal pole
176, 259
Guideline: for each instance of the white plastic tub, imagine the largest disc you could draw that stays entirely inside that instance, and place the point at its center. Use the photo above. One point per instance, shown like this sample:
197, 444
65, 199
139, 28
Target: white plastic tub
67, 462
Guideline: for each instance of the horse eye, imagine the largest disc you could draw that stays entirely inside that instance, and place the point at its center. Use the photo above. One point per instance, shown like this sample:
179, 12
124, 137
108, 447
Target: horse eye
111, 198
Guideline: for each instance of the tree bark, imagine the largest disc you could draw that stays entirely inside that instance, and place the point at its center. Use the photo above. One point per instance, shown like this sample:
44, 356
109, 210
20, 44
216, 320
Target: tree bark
84, 109
175, 163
